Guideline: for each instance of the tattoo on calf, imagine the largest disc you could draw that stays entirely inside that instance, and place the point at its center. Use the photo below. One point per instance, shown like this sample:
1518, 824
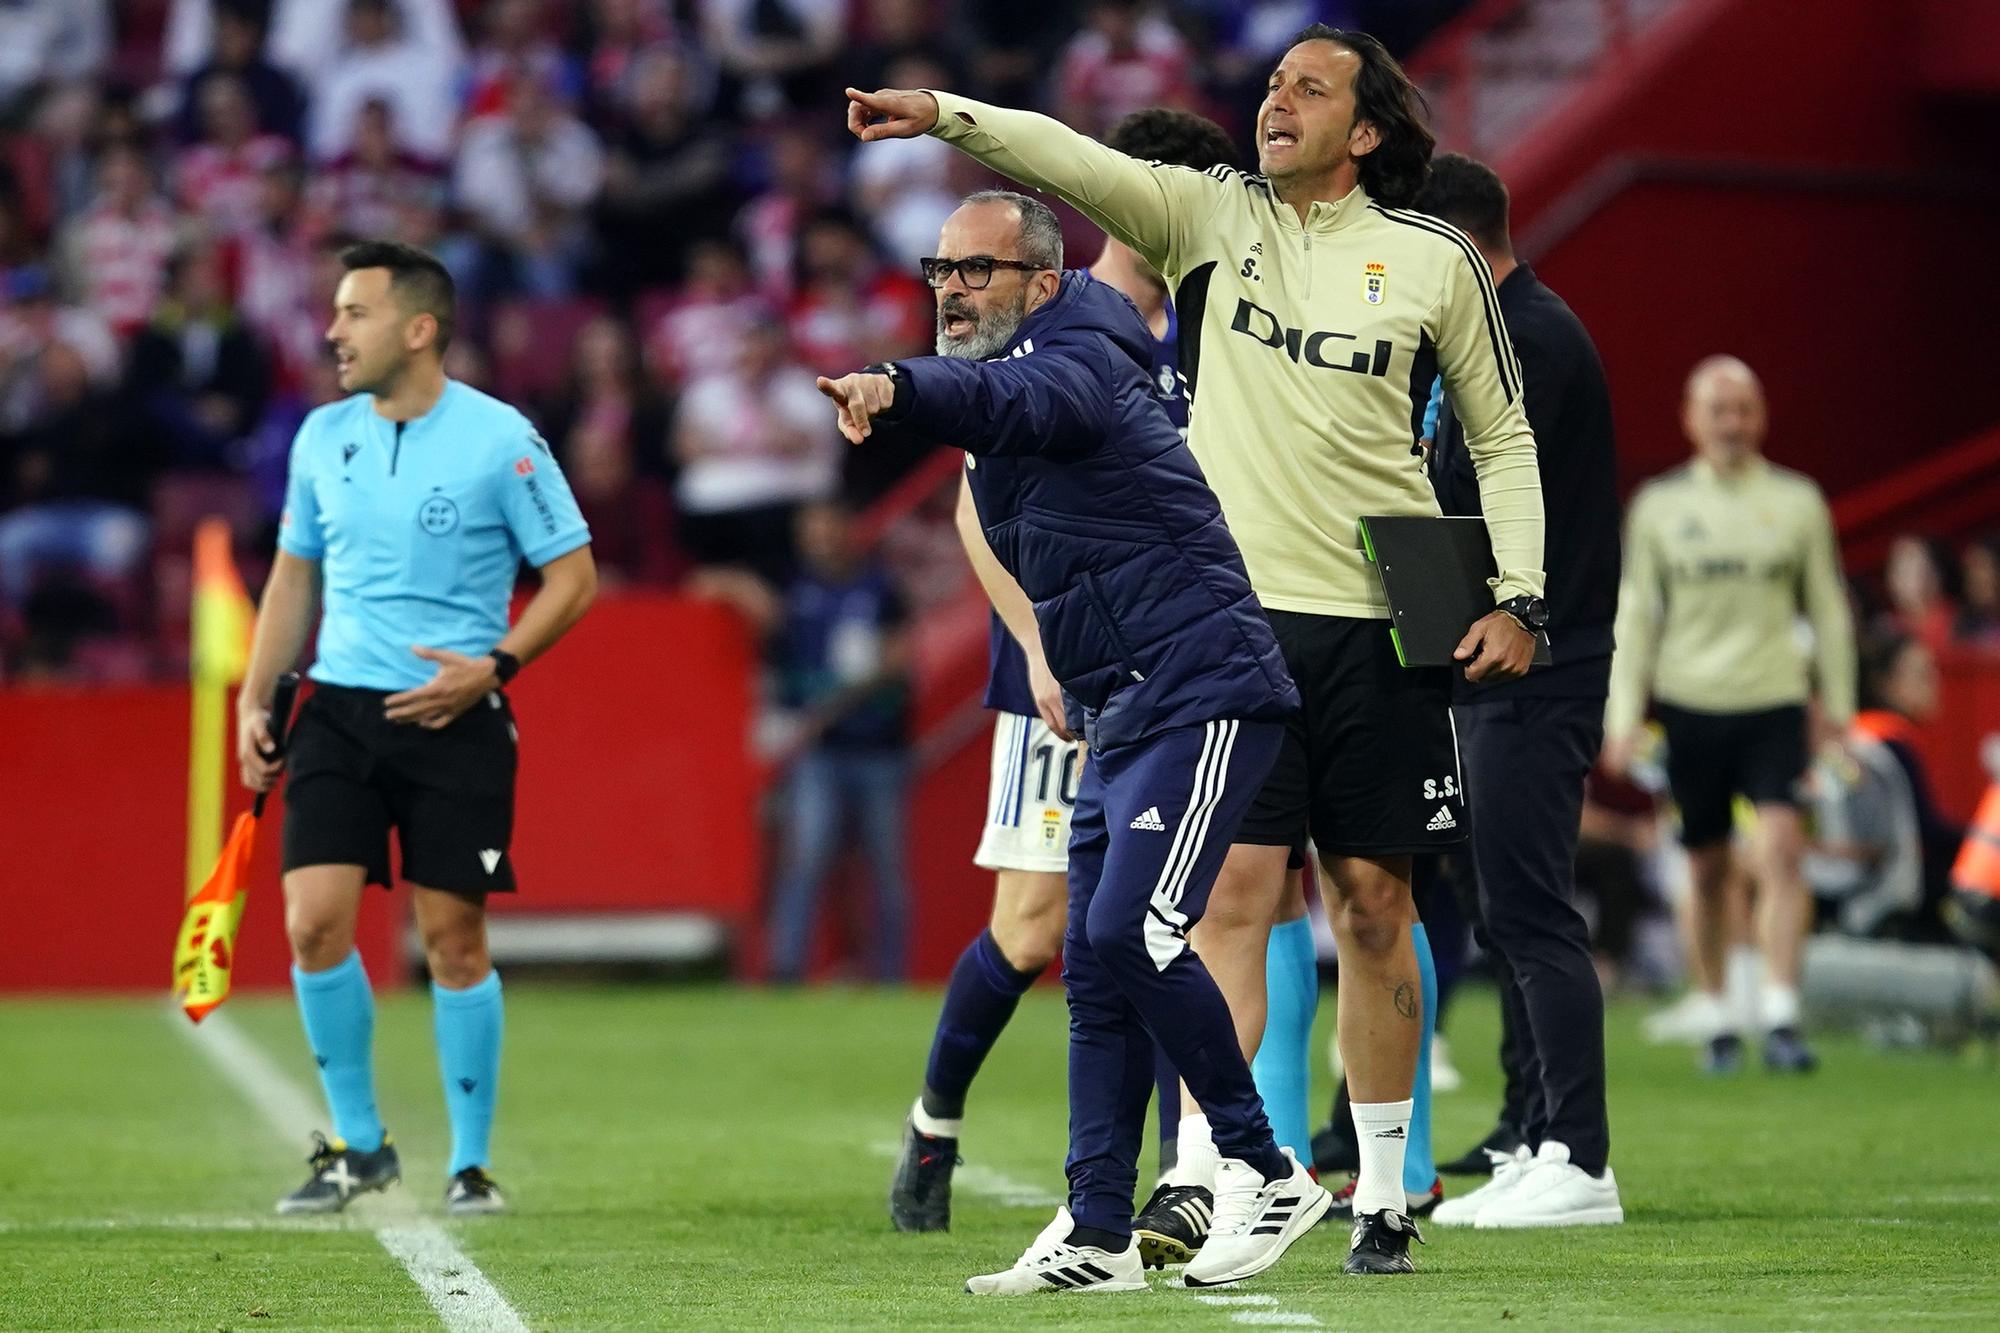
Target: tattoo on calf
1406, 1000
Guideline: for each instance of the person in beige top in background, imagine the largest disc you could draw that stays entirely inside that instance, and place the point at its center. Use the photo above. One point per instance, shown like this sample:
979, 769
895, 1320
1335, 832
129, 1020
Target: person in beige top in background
1723, 555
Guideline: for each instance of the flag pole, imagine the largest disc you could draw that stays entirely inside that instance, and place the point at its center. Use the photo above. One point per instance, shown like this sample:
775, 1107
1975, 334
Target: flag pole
218, 648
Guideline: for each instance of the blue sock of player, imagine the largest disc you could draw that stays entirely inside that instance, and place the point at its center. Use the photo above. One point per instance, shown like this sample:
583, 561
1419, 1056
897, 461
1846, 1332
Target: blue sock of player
338, 1009
1283, 1067
467, 1023
984, 991
1419, 1171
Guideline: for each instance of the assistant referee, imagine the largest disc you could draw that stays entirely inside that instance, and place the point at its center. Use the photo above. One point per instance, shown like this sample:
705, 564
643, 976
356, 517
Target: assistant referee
409, 509
1315, 310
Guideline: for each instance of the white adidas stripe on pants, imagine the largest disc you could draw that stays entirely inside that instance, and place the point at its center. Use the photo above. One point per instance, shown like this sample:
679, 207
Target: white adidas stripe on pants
1166, 926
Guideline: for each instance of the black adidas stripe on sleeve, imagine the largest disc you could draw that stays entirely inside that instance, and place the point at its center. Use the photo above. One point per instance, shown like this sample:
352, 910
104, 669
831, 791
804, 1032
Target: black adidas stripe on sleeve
1503, 349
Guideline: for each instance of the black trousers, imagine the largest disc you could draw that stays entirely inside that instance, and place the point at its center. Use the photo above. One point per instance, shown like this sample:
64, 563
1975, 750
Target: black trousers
1525, 762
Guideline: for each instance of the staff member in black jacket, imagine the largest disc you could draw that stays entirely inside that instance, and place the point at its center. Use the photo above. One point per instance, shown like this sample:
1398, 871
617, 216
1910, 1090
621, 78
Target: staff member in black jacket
1528, 744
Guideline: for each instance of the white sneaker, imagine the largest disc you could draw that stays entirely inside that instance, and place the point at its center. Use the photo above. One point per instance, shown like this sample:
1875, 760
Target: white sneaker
1553, 1193
1053, 1264
1464, 1210
1444, 1074
1255, 1221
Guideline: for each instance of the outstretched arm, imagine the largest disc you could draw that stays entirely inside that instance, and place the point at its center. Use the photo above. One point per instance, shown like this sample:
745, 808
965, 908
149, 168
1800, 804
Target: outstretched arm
1055, 401
1152, 207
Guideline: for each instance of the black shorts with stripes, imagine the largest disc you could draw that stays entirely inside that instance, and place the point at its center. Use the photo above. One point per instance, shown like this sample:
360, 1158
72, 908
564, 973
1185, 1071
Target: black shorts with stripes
1369, 767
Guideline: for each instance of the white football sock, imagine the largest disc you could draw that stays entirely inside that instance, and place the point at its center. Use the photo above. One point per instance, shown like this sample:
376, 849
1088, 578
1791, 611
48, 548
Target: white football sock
1197, 1158
1781, 1007
1743, 984
932, 1125
1383, 1130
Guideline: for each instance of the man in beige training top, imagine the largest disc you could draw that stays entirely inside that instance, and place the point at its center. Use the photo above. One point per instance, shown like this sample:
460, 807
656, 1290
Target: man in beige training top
1722, 556
1315, 311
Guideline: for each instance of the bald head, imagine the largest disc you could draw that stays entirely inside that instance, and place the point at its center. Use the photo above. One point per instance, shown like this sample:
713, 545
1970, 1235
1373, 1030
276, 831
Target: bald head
1722, 411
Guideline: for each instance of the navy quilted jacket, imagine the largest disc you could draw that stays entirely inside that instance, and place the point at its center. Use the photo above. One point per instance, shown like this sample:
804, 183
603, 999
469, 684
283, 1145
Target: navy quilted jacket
1092, 501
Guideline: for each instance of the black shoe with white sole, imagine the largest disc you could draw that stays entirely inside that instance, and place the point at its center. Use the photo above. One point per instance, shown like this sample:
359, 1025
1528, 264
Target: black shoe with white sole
1381, 1244
339, 1173
472, 1192
1171, 1227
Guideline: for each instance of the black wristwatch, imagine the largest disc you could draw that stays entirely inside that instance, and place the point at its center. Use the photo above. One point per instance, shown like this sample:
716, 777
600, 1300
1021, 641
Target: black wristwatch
899, 396
1531, 613
505, 665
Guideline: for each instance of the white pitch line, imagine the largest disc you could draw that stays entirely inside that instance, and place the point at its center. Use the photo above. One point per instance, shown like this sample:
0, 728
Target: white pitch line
466, 1302
186, 1222
1238, 1300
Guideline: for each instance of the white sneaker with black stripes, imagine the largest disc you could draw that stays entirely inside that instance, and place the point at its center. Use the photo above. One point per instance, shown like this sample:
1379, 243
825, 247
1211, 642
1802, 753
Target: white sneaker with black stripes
1256, 1221
1053, 1264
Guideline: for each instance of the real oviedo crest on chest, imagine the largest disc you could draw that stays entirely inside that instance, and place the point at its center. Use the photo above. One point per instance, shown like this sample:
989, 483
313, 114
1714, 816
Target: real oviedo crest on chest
1375, 283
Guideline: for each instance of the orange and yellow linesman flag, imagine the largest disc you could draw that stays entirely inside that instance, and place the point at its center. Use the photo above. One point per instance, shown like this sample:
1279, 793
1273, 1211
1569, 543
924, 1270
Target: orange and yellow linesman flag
205, 952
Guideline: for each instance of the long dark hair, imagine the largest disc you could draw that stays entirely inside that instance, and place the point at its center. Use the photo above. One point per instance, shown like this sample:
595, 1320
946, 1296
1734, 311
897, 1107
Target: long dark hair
1384, 97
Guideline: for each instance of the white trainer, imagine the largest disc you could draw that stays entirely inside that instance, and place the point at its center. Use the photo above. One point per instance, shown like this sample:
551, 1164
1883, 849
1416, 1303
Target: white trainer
1554, 1193
1464, 1210
1255, 1221
1051, 1263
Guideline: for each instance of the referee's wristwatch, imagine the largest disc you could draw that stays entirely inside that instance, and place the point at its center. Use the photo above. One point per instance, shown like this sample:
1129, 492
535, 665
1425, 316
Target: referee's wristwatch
1530, 613
506, 666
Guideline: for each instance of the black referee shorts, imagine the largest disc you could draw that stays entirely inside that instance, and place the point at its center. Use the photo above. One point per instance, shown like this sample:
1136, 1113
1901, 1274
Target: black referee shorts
449, 794
1712, 758
1369, 767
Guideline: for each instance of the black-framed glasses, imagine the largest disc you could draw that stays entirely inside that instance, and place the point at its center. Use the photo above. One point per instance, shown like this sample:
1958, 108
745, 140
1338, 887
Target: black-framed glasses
975, 270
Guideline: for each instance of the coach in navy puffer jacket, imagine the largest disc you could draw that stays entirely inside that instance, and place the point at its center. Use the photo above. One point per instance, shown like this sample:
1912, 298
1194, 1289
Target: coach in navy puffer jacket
1093, 503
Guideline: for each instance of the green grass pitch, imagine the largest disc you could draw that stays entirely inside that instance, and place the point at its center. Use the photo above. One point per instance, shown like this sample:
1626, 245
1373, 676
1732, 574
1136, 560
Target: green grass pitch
717, 1159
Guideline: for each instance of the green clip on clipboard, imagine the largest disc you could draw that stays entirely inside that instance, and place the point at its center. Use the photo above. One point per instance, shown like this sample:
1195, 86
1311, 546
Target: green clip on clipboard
1434, 573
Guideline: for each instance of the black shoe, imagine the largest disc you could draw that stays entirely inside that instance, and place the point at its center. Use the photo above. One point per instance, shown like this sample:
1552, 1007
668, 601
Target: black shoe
1421, 1205
1723, 1055
1335, 1152
1786, 1052
1381, 1244
339, 1173
1504, 1140
1172, 1226
920, 1195
472, 1192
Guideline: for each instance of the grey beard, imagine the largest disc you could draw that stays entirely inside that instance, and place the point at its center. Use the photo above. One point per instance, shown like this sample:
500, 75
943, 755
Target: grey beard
989, 337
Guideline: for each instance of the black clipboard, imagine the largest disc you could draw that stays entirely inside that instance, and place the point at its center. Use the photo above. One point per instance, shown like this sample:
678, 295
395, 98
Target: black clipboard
1434, 573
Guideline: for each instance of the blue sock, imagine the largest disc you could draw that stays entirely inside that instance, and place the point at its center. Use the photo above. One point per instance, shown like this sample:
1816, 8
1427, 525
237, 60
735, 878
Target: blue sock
467, 1023
338, 1009
1283, 1067
1419, 1171
983, 993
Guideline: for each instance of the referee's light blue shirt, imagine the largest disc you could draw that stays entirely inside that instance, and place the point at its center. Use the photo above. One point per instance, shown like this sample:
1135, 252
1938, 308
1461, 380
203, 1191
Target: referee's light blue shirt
420, 529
